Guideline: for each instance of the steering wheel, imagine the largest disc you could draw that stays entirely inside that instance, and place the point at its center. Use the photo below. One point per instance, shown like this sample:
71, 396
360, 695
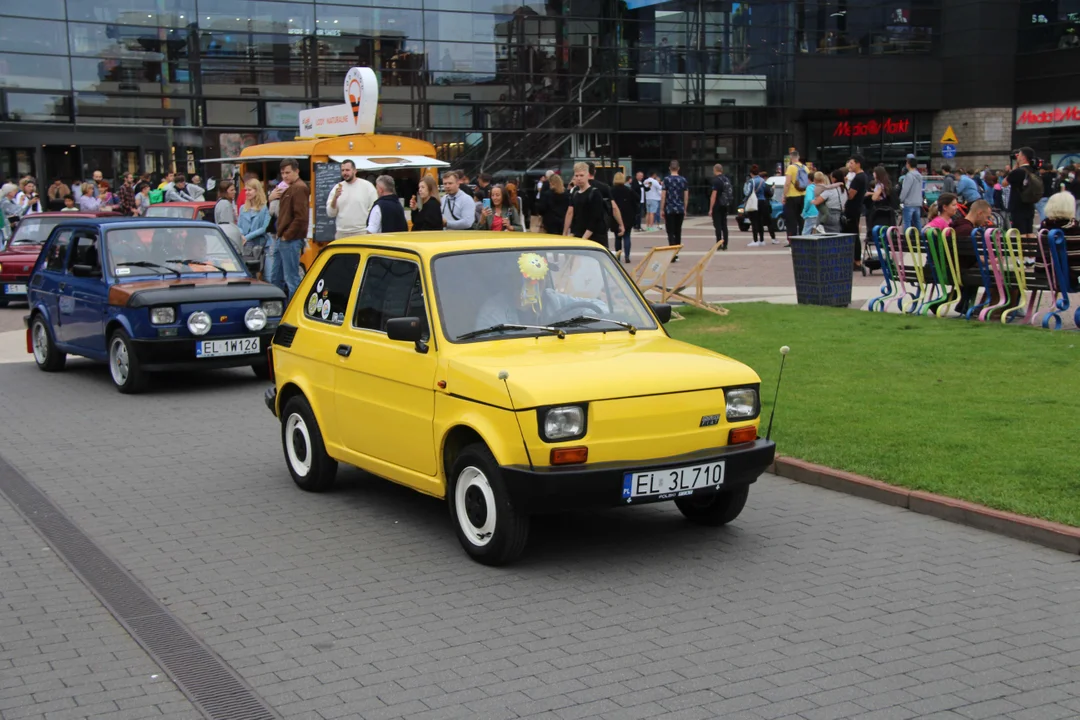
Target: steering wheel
574, 309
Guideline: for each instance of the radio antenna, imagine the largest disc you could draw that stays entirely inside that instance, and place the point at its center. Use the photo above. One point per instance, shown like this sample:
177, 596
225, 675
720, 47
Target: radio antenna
504, 376
783, 356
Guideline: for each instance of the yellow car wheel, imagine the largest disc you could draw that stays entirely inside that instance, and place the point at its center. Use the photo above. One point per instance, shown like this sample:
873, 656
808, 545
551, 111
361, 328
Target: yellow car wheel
491, 530
311, 468
714, 510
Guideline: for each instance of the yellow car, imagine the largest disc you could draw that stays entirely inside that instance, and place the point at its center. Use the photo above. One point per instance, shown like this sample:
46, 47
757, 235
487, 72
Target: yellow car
510, 374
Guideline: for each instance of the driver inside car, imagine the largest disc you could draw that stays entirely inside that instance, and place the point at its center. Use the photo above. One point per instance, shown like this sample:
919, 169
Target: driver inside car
520, 293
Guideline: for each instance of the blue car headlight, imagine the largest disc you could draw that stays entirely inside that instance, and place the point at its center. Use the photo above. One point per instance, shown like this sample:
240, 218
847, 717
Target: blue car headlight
199, 323
162, 315
255, 319
273, 308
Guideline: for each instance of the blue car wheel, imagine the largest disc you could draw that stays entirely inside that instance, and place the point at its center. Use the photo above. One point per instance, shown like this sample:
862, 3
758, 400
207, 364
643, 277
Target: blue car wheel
46, 355
124, 364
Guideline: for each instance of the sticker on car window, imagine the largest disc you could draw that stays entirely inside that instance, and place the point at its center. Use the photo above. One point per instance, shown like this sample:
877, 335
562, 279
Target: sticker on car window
312, 303
319, 285
123, 271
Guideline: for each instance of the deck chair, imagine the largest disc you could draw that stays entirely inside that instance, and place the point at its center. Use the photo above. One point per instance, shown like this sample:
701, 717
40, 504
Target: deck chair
651, 272
694, 280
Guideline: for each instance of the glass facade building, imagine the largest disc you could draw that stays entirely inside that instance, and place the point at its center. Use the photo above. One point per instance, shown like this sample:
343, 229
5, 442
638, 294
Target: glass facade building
506, 85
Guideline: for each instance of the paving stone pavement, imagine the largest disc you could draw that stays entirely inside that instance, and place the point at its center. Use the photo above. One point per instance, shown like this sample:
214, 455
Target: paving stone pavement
62, 655
359, 603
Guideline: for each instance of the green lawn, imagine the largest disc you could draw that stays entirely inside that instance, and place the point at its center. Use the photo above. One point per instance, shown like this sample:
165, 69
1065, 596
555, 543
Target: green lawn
976, 411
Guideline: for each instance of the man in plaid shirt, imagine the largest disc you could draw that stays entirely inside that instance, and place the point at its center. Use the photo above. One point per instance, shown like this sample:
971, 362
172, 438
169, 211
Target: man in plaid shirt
126, 192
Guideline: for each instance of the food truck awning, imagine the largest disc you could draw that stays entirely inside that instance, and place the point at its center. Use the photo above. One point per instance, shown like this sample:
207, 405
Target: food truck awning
388, 162
253, 158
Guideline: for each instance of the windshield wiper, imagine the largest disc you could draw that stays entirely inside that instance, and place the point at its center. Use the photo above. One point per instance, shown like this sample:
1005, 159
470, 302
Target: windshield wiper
502, 327
190, 261
148, 264
586, 319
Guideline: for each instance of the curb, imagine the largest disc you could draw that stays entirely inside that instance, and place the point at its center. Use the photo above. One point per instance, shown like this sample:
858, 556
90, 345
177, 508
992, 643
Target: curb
1042, 532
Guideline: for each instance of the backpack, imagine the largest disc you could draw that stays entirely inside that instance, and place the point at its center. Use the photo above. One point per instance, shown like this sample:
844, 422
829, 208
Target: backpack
894, 196
605, 204
157, 196
802, 179
1032, 191
726, 195
609, 216
768, 190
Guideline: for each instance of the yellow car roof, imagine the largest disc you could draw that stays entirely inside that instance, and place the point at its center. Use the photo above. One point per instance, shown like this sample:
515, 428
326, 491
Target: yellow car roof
437, 242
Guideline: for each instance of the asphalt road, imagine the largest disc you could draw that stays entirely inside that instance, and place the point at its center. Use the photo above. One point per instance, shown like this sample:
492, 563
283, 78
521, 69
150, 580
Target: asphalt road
359, 603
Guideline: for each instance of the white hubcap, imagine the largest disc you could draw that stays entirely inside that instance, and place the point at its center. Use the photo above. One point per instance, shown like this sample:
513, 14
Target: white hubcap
474, 506
298, 445
41, 343
119, 362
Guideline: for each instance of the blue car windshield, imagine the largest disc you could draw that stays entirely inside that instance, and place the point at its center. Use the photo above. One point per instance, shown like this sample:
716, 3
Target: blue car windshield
138, 252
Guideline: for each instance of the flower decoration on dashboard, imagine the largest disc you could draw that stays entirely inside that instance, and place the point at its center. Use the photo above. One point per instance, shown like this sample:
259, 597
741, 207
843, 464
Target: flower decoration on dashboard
534, 268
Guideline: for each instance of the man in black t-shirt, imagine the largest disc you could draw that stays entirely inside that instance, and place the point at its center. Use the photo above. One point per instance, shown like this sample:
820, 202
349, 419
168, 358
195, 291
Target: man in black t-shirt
585, 218
853, 208
718, 204
1022, 214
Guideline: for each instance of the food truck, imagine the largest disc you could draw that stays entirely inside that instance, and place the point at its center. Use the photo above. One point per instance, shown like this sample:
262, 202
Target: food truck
327, 137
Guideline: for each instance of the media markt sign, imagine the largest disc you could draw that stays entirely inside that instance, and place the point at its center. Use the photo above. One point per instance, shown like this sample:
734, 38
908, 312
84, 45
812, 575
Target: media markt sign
356, 116
1030, 117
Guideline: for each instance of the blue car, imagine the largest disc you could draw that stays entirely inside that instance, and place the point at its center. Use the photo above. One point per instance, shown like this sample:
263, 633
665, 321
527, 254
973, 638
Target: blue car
148, 295
776, 208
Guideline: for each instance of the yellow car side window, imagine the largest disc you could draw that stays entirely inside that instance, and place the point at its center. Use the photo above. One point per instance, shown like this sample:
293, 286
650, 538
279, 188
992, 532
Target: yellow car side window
329, 295
391, 288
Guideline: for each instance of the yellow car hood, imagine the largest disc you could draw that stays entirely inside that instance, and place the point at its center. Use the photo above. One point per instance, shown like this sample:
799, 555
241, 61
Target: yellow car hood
587, 367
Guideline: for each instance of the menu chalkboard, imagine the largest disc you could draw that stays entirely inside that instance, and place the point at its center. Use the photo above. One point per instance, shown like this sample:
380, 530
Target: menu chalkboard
326, 176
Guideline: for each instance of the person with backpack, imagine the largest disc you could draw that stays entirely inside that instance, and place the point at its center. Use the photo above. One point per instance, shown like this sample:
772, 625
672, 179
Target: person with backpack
1025, 189
586, 218
719, 203
796, 180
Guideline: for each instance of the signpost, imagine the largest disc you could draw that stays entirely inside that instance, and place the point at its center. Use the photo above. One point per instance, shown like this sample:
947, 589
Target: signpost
948, 143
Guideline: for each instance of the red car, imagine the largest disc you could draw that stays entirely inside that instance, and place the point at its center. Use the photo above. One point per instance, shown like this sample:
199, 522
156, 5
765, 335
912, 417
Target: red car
182, 211
18, 256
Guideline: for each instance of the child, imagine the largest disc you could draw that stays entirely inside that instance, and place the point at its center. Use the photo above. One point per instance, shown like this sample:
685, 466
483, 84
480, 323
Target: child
69, 204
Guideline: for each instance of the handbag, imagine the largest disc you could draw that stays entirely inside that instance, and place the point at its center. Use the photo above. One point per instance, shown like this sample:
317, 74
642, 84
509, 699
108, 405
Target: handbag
751, 204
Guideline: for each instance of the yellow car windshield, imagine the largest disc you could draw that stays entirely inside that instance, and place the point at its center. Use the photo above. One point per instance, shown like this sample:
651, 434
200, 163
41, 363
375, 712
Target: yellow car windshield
574, 289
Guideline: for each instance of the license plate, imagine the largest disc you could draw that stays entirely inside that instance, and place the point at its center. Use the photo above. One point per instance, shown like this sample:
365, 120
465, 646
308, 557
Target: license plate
14, 289
669, 483
224, 348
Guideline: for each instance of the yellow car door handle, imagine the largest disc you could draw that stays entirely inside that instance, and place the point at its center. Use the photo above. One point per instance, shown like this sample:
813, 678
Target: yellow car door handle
344, 350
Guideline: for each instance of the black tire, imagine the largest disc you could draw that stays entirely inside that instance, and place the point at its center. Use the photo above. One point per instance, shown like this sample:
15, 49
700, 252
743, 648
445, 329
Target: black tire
47, 357
305, 455
714, 510
124, 368
261, 370
484, 496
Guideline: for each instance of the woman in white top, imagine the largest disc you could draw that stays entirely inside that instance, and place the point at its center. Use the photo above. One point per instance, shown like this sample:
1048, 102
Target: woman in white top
29, 198
225, 210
